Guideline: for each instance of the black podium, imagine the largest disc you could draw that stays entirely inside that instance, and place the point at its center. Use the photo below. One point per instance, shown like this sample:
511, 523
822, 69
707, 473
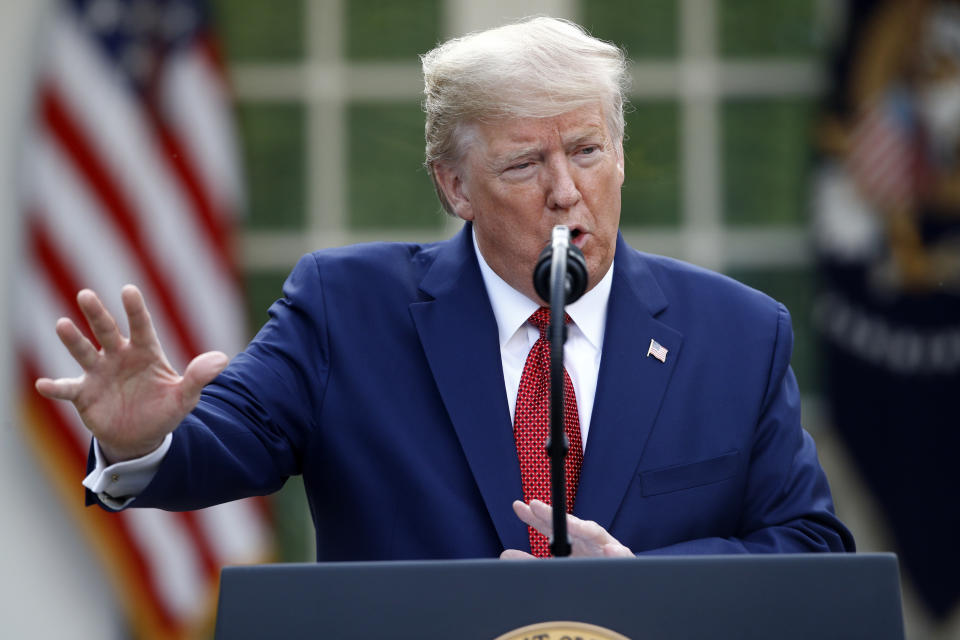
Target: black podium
825, 596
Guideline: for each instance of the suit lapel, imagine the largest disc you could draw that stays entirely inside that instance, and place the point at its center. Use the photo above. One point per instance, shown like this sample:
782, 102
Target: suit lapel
630, 387
458, 332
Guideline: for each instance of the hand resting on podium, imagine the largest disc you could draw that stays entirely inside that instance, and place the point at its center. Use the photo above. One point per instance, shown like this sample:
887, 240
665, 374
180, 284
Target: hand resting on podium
587, 538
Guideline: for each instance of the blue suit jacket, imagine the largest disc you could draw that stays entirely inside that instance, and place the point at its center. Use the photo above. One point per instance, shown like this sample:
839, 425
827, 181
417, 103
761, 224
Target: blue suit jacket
378, 378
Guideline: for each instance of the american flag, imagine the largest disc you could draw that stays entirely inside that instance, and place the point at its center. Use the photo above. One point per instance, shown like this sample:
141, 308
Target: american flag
657, 350
130, 175
885, 158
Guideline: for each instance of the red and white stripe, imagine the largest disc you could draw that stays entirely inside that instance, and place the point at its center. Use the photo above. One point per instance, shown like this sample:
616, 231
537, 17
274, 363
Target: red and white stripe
114, 193
884, 158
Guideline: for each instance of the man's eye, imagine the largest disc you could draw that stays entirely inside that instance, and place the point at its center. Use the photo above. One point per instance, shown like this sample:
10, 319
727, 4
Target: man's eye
522, 165
588, 150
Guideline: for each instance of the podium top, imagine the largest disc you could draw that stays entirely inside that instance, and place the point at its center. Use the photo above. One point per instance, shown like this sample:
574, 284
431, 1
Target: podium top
805, 596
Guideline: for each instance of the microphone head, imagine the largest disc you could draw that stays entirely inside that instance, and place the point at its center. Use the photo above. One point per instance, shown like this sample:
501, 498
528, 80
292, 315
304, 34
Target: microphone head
576, 278
541, 273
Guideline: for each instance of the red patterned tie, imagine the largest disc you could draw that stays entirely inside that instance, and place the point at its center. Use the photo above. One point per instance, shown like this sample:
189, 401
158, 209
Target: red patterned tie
532, 424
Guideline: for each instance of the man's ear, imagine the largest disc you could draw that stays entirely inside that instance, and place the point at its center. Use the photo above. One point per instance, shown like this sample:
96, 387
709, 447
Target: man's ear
451, 183
620, 160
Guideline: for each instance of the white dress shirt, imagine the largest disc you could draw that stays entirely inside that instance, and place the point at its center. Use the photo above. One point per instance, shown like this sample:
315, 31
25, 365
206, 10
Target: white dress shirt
118, 484
582, 350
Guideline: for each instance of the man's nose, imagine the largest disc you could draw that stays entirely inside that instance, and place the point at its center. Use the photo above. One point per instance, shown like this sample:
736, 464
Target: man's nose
563, 192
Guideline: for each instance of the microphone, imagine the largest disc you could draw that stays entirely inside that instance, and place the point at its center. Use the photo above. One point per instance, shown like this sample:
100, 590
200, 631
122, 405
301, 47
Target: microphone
559, 278
575, 278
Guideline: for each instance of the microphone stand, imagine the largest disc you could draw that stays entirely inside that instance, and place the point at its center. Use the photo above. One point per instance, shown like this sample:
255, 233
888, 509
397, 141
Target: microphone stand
560, 277
557, 443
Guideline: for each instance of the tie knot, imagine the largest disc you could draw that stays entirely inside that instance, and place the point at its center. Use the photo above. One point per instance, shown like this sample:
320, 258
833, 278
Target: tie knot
541, 319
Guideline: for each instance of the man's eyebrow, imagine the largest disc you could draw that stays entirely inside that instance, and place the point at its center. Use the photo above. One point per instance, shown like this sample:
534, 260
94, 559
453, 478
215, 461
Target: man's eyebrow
591, 134
512, 155
509, 156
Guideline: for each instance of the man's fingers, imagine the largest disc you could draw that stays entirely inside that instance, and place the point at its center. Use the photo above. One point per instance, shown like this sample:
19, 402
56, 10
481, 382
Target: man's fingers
539, 515
77, 344
616, 550
60, 389
516, 554
533, 518
586, 536
201, 370
590, 539
543, 513
142, 333
589, 530
102, 324
523, 511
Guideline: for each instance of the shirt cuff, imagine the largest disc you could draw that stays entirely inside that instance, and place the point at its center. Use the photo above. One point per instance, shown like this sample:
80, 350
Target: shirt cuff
118, 484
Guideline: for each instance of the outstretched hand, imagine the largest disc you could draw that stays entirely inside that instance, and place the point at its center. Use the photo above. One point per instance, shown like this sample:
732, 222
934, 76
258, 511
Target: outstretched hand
587, 538
128, 396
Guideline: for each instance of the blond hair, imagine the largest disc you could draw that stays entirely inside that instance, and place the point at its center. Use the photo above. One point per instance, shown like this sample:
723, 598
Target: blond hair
535, 68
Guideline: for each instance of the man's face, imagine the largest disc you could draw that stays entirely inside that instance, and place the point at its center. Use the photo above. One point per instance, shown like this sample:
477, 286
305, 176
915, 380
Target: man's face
522, 176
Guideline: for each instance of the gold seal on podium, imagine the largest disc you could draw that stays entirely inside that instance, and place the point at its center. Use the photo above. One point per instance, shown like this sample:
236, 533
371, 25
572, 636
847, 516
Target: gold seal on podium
562, 630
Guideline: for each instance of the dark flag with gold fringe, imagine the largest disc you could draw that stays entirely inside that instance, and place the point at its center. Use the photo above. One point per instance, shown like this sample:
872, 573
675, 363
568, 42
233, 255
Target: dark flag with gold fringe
886, 200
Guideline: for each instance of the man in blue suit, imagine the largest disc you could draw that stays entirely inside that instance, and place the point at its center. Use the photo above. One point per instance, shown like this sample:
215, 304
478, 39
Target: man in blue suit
388, 374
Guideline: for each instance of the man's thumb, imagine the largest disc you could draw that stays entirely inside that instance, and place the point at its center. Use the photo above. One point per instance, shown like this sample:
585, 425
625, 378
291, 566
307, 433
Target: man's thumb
201, 371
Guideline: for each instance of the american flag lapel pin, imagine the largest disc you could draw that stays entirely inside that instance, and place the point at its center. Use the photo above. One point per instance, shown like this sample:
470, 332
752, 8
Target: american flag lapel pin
657, 350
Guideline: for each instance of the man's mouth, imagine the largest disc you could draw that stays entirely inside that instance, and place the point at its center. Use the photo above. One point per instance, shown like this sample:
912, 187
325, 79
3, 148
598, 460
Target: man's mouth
577, 237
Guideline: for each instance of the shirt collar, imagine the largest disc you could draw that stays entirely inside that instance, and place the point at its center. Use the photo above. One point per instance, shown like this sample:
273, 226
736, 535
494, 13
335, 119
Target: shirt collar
512, 308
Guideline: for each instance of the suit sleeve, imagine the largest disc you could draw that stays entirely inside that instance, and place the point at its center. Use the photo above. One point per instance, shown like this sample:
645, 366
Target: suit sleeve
787, 506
